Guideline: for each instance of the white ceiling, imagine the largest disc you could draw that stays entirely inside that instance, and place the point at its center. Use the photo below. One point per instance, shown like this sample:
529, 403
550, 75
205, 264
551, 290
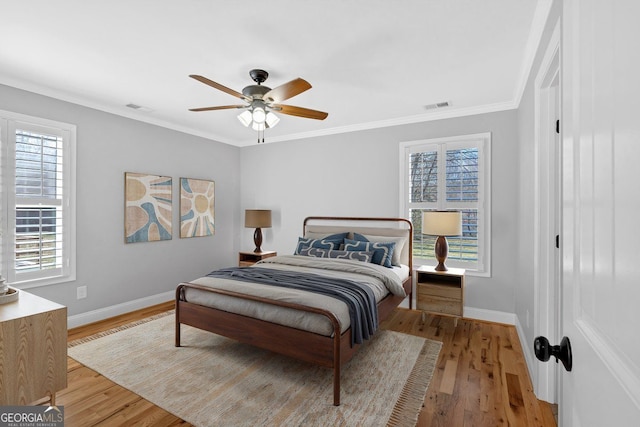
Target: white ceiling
371, 63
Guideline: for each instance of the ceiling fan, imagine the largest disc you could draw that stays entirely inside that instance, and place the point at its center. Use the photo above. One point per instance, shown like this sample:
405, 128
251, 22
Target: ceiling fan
261, 101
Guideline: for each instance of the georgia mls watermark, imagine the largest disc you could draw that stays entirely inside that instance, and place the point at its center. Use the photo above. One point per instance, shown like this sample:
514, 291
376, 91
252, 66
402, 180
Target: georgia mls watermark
31, 416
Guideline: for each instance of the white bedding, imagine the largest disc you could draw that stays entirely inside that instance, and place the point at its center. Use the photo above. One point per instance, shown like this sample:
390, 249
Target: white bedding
380, 279
402, 271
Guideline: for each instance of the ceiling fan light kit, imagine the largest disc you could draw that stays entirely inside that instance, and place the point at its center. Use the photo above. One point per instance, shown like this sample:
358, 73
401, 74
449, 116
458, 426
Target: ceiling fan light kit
245, 118
259, 115
262, 101
271, 119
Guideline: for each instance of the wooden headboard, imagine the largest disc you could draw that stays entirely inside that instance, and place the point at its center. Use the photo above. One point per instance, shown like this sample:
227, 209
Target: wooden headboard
392, 227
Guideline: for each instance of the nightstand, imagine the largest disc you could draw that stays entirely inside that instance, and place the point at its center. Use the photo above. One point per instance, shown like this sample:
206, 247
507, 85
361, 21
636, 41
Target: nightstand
440, 292
245, 259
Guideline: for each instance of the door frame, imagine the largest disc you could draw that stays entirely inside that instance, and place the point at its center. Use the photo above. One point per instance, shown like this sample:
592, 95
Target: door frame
547, 220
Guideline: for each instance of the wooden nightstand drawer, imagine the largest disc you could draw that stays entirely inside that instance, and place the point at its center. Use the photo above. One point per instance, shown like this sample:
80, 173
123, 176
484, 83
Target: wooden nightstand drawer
440, 305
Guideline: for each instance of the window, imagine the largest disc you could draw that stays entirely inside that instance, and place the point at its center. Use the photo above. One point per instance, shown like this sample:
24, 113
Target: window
38, 211
449, 174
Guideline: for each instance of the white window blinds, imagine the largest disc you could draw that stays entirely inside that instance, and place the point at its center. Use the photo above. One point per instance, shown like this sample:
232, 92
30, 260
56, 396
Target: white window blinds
39, 194
38, 234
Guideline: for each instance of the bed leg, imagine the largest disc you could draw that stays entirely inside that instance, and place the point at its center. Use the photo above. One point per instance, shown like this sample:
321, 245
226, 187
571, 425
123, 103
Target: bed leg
177, 333
336, 385
179, 294
336, 363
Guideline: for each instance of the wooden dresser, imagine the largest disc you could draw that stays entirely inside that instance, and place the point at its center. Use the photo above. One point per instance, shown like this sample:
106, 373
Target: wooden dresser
33, 350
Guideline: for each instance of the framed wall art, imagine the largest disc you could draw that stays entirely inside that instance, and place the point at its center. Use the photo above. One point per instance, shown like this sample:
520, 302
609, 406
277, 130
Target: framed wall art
197, 213
148, 207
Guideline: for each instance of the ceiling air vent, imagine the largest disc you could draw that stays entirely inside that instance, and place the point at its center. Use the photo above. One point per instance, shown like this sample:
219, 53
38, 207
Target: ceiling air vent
139, 107
437, 105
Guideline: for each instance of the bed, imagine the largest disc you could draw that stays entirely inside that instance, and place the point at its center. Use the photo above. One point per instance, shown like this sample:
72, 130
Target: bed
314, 328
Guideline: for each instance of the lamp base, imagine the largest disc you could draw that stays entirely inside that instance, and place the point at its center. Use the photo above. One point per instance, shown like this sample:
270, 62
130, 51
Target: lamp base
441, 250
441, 267
257, 239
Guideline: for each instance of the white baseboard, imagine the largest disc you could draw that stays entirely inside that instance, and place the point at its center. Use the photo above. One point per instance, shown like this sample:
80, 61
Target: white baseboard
490, 315
129, 306
527, 350
118, 309
543, 384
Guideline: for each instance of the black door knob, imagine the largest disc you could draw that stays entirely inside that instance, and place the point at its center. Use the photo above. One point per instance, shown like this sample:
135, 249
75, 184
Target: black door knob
561, 352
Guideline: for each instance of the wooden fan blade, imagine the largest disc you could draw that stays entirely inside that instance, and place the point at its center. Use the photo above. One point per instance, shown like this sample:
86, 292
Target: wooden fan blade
219, 87
301, 112
287, 90
221, 107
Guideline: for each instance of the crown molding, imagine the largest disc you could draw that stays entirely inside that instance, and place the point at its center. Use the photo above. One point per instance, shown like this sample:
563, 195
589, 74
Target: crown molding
447, 113
66, 97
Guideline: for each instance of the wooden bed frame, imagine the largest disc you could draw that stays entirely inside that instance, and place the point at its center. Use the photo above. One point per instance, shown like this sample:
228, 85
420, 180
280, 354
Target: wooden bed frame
331, 352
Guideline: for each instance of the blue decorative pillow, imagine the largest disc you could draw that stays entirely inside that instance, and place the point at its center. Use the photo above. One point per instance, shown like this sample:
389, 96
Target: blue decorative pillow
382, 251
327, 253
331, 242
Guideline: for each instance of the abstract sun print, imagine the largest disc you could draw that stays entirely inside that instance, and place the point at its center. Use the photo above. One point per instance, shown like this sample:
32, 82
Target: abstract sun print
197, 199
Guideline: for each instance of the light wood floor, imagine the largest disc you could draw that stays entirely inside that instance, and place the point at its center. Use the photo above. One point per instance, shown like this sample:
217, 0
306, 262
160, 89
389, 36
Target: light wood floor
480, 380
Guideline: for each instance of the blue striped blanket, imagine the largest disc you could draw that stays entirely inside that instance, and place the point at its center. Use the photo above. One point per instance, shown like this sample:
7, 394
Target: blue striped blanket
363, 310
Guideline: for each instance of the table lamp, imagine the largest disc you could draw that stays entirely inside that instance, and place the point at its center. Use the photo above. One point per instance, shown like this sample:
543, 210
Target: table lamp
258, 219
442, 224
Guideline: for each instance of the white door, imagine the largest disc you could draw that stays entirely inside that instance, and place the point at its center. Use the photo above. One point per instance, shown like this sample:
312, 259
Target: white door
601, 212
546, 220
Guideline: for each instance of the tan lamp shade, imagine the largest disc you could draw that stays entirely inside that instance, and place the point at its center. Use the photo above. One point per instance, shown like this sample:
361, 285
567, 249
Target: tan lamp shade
442, 223
257, 218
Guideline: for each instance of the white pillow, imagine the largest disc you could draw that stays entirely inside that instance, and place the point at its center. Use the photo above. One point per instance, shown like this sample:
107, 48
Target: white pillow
399, 241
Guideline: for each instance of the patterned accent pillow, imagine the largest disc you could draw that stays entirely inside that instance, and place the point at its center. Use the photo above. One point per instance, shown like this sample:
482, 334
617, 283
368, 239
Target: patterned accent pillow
399, 241
331, 242
382, 251
327, 253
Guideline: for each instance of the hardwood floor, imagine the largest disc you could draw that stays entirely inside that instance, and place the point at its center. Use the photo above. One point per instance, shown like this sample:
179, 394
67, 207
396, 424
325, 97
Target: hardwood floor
480, 380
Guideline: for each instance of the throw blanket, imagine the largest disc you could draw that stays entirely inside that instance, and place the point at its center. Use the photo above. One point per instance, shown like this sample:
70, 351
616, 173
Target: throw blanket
363, 311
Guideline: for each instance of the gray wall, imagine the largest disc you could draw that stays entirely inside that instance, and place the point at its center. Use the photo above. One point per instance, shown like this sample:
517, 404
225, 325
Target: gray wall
357, 174
108, 146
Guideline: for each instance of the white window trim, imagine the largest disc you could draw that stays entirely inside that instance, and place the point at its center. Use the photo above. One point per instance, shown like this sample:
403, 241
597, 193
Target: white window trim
484, 195
8, 120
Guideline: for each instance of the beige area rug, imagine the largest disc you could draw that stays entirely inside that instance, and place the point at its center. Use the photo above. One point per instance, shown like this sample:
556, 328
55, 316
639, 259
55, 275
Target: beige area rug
215, 381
